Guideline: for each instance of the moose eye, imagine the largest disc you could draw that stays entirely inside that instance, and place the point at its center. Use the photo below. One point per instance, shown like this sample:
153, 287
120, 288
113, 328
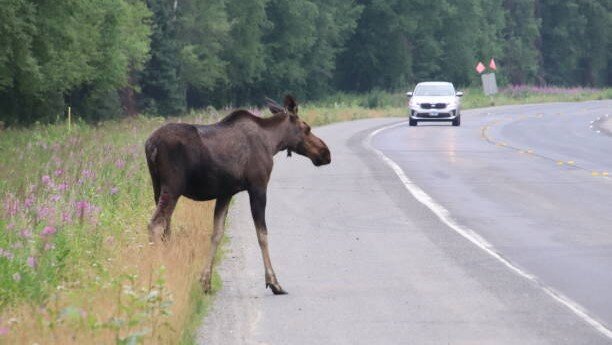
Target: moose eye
307, 129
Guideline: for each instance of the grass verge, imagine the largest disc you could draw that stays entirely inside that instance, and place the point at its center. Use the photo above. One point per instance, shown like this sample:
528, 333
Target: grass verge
343, 106
75, 264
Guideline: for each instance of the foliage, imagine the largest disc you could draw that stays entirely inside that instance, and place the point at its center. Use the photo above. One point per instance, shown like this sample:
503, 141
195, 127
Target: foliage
520, 54
165, 57
162, 89
53, 49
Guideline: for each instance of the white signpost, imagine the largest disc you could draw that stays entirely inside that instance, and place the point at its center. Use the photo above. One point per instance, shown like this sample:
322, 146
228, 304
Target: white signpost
489, 84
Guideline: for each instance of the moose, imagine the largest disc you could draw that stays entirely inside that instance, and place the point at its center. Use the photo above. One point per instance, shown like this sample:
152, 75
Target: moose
206, 162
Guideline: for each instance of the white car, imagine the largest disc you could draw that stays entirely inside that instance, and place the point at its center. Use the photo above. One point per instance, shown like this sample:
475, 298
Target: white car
434, 101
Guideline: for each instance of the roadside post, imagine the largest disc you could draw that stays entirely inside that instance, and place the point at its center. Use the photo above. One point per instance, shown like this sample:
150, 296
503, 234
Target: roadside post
69, 119
489, 82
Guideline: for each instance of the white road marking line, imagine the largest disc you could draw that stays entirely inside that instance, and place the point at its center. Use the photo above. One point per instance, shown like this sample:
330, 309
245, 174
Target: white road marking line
444, 215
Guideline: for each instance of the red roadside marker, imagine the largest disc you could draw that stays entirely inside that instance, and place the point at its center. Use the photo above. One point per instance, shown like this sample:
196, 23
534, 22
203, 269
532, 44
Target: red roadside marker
492, 65
480, 67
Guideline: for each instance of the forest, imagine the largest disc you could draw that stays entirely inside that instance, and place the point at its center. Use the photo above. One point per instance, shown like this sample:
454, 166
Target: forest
112, 58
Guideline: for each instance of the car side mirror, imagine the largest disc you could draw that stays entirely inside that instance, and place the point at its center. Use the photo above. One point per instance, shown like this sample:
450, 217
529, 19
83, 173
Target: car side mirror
459, 94
408, 94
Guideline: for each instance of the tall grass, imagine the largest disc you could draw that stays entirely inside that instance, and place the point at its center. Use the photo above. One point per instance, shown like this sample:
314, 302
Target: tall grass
75, 263
475, 98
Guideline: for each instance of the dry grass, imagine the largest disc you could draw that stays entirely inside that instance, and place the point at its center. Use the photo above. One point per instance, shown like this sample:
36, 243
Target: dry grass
317, 116
182, 258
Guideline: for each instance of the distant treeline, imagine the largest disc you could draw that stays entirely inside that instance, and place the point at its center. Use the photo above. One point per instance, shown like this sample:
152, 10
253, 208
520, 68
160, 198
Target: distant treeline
105, 58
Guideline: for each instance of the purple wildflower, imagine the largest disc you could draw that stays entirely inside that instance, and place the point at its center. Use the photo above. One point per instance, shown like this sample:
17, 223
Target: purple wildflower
32, 262
58, 172
114, 190
88, 174
48, 231
46, 180
26, 233
55, 198
10, 226
66, 217
81, 206
44, 212
6, 254
62, 187
49, 246
28, 202
4, 330
11, 205
120, 163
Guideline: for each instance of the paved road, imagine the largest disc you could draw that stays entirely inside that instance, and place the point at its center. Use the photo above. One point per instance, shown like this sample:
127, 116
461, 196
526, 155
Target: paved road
365, 262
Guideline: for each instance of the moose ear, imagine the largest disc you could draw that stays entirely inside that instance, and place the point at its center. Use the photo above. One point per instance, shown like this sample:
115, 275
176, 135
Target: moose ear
291, 104
274, 107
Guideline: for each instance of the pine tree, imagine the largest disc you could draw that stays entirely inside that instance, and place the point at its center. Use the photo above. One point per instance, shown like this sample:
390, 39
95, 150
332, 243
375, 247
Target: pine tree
163, 92
245, 50
520, 34
378, 55
202, 34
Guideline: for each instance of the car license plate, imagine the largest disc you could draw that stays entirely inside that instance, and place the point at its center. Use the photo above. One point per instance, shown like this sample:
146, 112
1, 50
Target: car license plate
434, 113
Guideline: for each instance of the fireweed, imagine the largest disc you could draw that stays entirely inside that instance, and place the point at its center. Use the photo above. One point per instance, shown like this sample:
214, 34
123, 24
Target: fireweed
69, 202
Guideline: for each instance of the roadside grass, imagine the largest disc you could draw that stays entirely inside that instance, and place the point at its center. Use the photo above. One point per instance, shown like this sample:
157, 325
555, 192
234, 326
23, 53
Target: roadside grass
318, 116
346, 106
75, 263
475, 98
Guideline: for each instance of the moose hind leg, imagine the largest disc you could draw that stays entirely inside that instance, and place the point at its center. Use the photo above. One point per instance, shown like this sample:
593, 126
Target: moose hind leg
159, 227
221, 207
258, 210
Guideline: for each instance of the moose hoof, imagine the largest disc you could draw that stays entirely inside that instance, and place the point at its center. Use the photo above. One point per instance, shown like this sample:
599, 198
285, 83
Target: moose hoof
206, 286
276, 289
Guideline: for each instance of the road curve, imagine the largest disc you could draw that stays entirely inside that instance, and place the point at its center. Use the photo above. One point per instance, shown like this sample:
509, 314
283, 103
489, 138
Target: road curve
365, 262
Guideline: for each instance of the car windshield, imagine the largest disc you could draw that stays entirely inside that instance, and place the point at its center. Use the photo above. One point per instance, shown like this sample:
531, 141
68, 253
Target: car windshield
434, 90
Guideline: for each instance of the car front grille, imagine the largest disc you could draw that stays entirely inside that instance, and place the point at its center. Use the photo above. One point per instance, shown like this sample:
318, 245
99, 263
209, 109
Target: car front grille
433, 105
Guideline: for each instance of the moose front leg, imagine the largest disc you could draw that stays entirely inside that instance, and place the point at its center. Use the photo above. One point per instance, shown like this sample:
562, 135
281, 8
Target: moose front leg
258, 210
221, 207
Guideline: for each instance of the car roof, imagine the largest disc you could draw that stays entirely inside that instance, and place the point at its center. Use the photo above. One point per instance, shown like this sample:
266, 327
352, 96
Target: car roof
435, 83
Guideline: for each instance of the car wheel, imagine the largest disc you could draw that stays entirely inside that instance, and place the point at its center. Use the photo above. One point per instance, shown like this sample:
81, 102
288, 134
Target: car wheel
457, 121
412, 122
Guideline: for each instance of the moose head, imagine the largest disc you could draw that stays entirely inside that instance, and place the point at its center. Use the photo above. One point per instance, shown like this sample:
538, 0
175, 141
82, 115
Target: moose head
299, 137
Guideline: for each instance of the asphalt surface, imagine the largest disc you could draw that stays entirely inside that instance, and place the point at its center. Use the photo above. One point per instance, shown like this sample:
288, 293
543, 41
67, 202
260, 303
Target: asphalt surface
365, 262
